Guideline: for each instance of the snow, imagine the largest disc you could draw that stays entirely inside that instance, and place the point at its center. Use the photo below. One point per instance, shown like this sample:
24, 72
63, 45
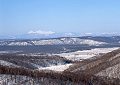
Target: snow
4, 52
78, 55
113, 71
86, 54
58, 41
56, 68
92, 42
19, 43
5, 63
40, 32
10, 51
47, 42
82, 41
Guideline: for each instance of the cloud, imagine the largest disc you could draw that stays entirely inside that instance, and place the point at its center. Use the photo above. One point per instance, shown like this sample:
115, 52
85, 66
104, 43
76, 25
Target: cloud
41, 32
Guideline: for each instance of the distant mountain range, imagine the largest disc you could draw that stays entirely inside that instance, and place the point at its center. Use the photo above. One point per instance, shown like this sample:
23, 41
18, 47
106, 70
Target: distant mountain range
33, 35
54, 41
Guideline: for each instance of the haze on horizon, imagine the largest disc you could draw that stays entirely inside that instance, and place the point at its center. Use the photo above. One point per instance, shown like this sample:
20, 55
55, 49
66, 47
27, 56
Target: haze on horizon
49, 16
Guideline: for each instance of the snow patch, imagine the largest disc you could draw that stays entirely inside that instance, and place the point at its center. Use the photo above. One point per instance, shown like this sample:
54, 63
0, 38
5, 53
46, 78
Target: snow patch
5, 63
56, 68
19, 43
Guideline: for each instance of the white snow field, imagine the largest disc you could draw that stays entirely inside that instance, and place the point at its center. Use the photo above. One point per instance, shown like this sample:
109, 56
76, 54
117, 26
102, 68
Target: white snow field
59, 68
85, 54
79, 56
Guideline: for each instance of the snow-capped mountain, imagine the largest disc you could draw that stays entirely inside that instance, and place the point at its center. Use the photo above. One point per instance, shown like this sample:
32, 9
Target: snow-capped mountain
50, 34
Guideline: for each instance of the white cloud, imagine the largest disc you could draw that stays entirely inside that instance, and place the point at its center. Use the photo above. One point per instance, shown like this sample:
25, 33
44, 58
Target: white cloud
41, 32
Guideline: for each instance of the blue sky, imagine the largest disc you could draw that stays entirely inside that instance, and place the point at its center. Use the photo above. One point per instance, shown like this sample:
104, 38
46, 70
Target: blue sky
81, 16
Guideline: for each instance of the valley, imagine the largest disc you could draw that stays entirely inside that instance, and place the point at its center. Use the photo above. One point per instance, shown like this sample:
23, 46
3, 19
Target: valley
62, 61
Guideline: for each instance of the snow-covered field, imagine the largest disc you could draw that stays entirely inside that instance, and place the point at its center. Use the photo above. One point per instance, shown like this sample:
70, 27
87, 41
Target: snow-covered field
79, 56
85, 54
57, 67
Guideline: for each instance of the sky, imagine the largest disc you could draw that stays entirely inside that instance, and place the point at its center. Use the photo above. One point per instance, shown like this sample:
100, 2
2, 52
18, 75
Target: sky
49, 16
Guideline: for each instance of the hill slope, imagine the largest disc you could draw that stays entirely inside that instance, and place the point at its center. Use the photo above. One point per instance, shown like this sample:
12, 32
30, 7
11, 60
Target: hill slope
104, 70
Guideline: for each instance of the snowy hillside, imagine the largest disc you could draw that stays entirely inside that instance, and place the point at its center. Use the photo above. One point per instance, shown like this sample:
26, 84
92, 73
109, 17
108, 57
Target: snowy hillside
57, 41
5, 63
